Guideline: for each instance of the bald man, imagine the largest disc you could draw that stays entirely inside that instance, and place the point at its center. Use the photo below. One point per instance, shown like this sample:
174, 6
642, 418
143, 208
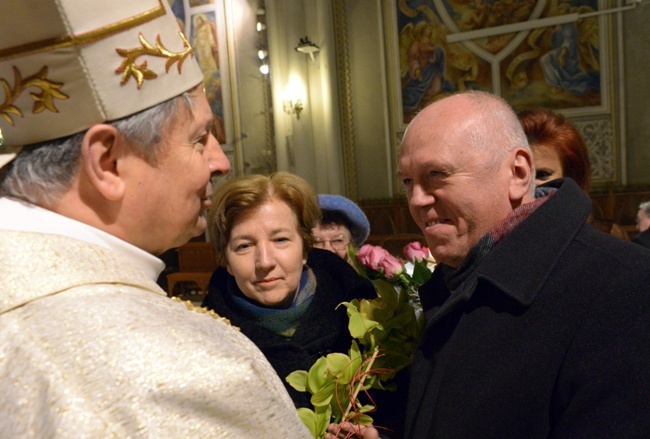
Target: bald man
538, 325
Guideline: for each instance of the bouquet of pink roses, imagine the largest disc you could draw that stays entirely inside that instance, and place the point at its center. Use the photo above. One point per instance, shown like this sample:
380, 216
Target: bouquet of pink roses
407, 274
385, 331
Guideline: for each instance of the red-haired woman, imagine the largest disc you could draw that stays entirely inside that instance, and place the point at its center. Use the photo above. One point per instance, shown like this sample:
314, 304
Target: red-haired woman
560, 152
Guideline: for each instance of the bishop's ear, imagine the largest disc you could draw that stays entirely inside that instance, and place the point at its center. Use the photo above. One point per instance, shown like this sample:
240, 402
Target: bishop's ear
101, 151
522, 175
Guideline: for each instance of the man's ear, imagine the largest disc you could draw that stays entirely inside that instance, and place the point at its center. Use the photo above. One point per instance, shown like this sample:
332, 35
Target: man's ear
101, 150
522, 170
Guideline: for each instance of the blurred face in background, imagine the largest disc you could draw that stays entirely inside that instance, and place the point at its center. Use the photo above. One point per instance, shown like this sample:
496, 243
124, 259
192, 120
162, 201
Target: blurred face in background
265, 254
642, 221
548, 165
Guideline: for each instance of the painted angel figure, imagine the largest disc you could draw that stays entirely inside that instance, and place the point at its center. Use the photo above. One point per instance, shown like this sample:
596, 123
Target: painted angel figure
422, 65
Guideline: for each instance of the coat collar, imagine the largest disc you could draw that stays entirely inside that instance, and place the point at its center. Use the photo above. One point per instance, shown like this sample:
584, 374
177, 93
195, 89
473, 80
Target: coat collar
36, 265
520, 264
21, 216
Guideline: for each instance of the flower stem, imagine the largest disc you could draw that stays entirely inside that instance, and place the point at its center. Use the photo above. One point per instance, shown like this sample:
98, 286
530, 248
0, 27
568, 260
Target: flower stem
360, 383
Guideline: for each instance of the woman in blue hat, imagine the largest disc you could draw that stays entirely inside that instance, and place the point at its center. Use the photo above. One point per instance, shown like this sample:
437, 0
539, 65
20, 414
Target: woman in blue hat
342, 224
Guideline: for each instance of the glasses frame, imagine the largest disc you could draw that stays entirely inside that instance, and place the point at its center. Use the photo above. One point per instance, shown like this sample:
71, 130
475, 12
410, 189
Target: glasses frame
321, 243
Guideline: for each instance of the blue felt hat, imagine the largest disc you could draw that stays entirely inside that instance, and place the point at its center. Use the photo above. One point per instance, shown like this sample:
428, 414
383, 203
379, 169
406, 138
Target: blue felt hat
360, 227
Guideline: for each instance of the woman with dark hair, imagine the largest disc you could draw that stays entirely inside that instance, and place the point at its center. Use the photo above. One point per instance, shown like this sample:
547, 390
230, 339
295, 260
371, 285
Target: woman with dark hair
560, 152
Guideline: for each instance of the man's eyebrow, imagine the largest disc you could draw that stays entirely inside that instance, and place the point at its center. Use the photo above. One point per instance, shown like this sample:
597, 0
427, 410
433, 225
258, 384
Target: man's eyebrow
211, 127
205, 129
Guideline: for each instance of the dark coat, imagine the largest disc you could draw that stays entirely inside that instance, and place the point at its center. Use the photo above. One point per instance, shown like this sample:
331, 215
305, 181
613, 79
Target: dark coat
554, 340
322, 330
643, 238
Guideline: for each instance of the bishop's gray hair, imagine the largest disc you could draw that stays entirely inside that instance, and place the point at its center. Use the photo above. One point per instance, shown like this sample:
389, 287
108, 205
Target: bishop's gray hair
42, 172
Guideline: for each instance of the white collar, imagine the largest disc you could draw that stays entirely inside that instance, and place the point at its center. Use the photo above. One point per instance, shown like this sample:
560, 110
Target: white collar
24, 217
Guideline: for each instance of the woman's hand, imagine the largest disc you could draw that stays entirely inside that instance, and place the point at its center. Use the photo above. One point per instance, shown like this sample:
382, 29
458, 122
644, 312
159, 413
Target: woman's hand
348, 430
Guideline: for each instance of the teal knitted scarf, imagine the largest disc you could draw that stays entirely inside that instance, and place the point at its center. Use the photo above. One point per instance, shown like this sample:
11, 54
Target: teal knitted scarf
282, 322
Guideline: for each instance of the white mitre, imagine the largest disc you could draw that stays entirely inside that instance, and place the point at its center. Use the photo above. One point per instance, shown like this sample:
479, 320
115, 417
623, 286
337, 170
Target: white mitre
66, 65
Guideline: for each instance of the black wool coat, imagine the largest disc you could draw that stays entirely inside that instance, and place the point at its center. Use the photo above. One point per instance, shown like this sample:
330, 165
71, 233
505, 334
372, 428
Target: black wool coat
551, 341
322, 330
643, 238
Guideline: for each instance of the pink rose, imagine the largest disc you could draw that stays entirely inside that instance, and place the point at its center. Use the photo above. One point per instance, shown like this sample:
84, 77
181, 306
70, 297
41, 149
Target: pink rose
379, 259
392, 267
370, 256
415, 251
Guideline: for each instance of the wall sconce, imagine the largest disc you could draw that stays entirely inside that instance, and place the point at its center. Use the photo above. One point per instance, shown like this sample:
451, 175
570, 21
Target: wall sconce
307, 47
291, 107
293, 95
260, 26
264, 69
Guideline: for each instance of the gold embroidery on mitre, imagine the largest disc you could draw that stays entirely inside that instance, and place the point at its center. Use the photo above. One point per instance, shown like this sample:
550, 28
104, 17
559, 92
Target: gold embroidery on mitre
140, 72
42, 101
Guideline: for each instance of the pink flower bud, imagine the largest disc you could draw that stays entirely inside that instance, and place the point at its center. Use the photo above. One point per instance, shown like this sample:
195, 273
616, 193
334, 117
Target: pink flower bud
415, 251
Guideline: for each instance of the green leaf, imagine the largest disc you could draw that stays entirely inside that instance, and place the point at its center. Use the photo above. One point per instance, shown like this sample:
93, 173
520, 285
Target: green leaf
369, 381
360, 419
354, 351
421, 273
359, 325
348, 373
339, 403
308, 417
364, 420
316, 422
323, 420
298, 380
361, 269
354, 304
366, 408
324, 395
376, 311
400, 321
386, 291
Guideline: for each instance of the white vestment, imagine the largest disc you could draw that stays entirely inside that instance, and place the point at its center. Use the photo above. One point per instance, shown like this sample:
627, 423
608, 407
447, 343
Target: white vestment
91, 347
